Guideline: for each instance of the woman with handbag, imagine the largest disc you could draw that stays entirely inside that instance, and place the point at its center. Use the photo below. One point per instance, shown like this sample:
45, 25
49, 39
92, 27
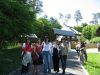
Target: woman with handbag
37, 57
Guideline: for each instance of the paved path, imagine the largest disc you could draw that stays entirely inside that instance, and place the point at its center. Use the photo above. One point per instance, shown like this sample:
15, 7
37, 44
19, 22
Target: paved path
73, 67
92, 50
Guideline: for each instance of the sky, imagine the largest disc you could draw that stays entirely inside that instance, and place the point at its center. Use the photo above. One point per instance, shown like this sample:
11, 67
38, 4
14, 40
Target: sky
52, 8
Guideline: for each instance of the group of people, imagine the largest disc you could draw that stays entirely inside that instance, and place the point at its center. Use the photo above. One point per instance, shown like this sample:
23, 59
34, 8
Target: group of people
81, 46
45, 53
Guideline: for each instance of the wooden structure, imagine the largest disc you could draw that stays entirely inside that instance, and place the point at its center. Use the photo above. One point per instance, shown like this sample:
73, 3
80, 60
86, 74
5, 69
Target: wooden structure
70, 34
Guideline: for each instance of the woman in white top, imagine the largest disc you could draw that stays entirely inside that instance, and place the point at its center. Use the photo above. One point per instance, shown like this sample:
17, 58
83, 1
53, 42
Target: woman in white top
47, 47
78, 45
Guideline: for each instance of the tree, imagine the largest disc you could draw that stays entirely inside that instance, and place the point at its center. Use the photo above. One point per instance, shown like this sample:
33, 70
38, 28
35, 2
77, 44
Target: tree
78, 28
95, 18
44, 27
45, 16
61, 16
84, 24
93, 31
15, 18
54, 23
98, 31
92, 22
87, 32
77, 16
35, 5
98, 16
67, 18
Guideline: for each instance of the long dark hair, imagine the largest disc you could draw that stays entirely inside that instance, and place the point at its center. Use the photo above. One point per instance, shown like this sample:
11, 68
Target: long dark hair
27, 40
46, 38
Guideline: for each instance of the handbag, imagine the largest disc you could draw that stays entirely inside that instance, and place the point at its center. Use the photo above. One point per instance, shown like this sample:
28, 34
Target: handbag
34, 55
40, 59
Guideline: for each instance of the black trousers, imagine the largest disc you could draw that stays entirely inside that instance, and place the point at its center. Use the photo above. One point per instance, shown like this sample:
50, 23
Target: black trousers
56, 63
25, 69
84, 51
55, 58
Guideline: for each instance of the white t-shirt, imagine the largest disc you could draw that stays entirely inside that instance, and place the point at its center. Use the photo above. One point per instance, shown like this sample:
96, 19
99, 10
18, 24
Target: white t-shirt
78, 45
47, 46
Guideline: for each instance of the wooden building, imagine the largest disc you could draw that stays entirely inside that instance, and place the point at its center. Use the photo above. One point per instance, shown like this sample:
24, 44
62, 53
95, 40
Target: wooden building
68, 32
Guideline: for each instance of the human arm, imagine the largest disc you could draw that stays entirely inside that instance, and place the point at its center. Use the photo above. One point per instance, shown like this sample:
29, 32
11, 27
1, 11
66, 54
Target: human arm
23, 49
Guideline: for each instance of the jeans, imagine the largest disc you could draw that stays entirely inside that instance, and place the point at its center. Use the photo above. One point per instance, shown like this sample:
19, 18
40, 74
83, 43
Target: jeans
47, 61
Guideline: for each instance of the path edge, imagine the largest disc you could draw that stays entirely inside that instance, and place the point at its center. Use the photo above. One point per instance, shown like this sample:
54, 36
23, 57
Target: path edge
85, 71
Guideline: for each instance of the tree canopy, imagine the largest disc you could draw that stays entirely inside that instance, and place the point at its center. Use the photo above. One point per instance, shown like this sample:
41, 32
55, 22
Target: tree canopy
15, 18
77, 16
44, 27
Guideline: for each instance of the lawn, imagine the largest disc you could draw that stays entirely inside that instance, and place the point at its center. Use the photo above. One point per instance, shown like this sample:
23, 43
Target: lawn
9, 60
93, 64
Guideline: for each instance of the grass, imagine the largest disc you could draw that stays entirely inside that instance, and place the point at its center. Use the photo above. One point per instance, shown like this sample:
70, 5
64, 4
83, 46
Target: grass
93, 64
9, 60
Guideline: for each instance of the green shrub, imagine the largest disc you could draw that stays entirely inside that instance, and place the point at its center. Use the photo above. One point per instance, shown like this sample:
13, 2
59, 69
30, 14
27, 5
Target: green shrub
89, 31
86, 31
82, 38
95, 40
